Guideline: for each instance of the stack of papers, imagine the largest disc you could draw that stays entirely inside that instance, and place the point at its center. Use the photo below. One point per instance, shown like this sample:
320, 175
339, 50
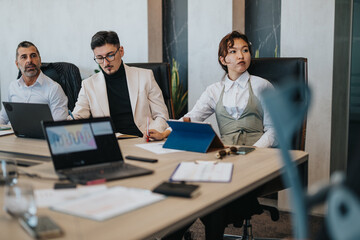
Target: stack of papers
52, 197
124, 136
156, 148
203, 171
108, 203
6, 132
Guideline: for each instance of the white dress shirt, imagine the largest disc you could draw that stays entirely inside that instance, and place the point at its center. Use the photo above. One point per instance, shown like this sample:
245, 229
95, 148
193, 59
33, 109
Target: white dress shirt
235, 99
44, 90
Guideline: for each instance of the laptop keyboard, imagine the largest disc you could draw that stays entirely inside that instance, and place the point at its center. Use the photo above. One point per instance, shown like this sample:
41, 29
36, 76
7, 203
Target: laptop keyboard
113, 171
100, 170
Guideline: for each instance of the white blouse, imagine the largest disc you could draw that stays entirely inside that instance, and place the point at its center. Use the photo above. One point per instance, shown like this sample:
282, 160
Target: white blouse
235, 99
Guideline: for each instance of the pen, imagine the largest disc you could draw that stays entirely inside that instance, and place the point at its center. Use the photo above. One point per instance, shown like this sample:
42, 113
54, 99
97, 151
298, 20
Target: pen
147, 129
142, 159
71, 115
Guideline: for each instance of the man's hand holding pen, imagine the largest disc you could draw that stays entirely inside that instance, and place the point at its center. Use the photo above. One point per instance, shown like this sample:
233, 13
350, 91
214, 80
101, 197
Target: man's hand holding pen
153, 134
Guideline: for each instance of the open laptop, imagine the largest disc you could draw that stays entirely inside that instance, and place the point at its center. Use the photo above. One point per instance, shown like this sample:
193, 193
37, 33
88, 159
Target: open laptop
87, 151
25, 118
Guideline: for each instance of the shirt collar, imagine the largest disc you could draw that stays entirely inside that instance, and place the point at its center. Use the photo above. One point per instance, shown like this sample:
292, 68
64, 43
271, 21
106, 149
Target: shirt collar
39, 80
241, 81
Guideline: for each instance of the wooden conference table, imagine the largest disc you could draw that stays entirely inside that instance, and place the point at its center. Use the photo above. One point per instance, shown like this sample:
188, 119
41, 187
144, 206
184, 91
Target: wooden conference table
155, 220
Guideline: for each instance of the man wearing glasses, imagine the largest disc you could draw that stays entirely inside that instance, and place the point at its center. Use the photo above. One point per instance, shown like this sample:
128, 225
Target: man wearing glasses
129, 95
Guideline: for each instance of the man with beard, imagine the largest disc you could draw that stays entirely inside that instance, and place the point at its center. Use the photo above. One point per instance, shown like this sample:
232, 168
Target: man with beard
129, 95
33, 86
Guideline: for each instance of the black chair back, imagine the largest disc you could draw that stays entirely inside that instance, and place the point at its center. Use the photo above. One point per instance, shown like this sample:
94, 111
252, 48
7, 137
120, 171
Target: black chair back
67, 75
162, 76
279, 71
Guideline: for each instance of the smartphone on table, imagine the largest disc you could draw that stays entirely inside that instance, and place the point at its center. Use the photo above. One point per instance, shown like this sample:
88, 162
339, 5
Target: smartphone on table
244, 150
46, 228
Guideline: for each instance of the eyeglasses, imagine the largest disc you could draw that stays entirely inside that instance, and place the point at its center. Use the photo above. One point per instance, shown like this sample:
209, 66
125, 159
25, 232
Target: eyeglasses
109, 57
234, 150
227, 151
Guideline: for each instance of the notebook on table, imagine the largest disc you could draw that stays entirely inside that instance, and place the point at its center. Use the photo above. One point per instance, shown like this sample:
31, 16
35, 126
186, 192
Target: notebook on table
25, 118
86, 151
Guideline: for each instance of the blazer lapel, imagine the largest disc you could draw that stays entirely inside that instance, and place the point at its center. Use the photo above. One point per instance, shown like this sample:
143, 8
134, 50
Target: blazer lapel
132, 78
101, 94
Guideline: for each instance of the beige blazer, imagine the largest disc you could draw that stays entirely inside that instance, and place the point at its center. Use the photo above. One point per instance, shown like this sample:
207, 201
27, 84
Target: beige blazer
145, 97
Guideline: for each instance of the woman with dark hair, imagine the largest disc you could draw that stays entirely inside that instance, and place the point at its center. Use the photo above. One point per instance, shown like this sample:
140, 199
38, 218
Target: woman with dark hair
236, 99
242, 120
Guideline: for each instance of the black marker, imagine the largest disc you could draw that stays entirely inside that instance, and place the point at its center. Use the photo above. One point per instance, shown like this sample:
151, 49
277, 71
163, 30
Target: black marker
142, 159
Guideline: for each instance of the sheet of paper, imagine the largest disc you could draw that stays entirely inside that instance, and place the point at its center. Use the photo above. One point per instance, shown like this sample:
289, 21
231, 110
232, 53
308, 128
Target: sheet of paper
203, 171
157, 148
51, 197
124, 136
6, 132
108, 203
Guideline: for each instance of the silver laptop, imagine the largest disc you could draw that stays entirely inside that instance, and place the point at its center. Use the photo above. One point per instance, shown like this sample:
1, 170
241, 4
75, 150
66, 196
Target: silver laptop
87, 151
26, 118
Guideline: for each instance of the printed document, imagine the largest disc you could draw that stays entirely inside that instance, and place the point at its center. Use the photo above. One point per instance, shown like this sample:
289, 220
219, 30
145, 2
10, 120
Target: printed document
6, 132
51, 197
203, 171
156, 148
109, 203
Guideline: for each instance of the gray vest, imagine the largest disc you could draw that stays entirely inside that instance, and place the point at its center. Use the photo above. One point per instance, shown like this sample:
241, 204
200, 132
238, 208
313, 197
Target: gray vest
243, 131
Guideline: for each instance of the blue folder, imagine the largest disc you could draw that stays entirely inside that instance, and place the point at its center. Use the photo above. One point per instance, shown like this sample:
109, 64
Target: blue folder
191, 136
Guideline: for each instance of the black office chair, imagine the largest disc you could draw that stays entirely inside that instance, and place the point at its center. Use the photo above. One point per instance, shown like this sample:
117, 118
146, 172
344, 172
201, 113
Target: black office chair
67, 75
162, 76
277, 71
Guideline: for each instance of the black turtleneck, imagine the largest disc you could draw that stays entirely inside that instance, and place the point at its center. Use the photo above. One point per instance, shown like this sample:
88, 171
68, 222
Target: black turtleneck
119, 102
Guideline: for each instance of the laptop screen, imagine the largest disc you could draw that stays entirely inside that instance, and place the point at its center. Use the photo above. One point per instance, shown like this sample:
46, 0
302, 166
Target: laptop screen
34, 113
82, 142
